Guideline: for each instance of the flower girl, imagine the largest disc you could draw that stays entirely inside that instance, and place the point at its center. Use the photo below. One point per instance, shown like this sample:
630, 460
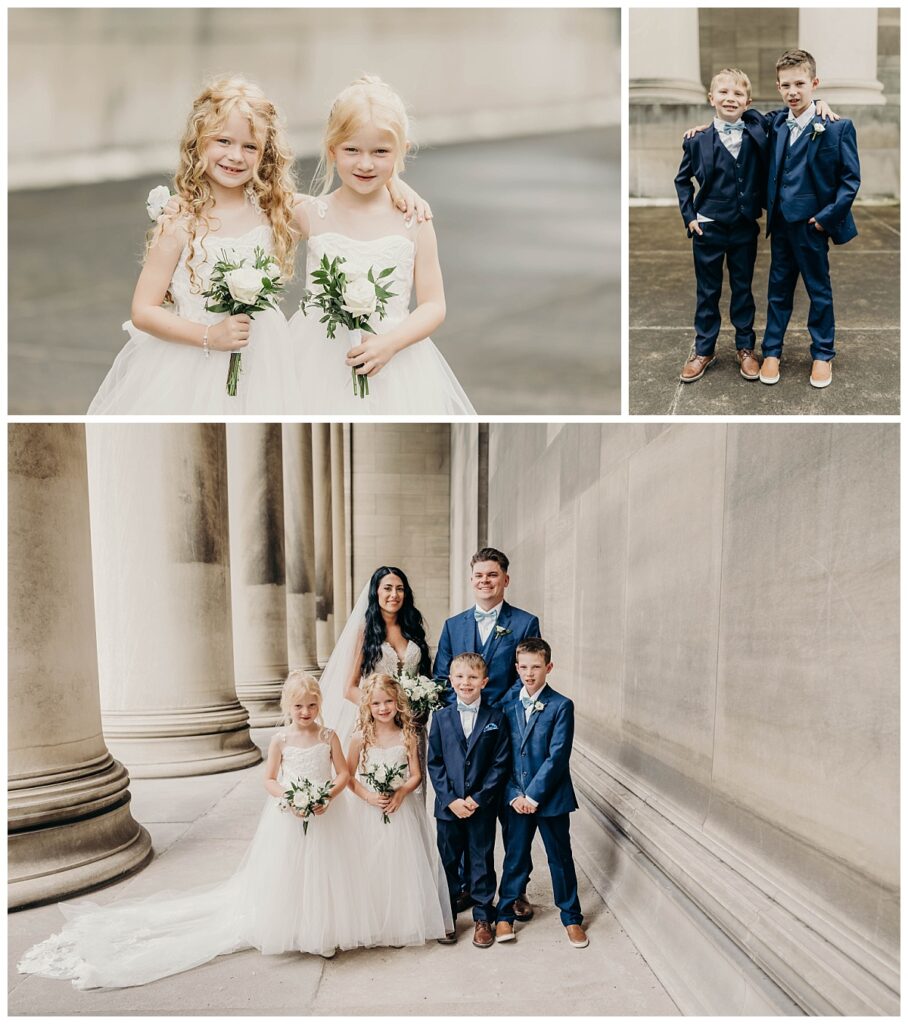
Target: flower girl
235, 195
407, 893
398, 368
294, 889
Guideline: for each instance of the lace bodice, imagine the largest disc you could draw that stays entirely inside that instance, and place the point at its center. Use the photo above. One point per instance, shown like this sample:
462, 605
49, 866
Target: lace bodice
391, 665
313, 763
191, 305
396, 755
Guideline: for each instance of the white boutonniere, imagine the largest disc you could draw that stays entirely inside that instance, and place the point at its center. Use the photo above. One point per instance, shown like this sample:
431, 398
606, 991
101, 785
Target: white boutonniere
501, 631
538, 706
157, 199
818, 129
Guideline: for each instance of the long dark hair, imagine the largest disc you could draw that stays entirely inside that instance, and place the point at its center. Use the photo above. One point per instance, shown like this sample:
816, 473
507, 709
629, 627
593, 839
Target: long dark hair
408, 618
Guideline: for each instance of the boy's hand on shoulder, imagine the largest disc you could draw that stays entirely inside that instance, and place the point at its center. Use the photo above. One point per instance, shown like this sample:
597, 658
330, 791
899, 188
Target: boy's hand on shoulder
825, 111
694, 227
460, 808
691, 132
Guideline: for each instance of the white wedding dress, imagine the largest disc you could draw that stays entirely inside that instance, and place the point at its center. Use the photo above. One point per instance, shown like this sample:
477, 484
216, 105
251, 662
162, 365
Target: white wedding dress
408, 901
293, 891
155, 377
417, 380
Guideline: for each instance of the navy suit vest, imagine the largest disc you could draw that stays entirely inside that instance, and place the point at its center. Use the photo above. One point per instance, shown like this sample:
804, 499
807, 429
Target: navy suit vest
796, 183
737, 186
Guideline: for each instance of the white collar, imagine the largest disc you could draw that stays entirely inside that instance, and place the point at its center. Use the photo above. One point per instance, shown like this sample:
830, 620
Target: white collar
523, 692
475, 703
804, 120
496, 609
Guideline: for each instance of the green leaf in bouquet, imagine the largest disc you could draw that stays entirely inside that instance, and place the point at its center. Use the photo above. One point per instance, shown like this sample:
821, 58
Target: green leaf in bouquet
386, 271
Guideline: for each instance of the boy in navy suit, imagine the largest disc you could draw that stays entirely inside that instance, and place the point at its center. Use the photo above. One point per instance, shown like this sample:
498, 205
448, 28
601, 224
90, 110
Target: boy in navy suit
467, 762
814, 176
729, 163
539, 792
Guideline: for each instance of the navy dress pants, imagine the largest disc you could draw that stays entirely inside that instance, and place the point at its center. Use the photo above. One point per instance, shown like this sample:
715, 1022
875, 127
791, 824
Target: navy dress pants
470, 841
734, 245
799, 249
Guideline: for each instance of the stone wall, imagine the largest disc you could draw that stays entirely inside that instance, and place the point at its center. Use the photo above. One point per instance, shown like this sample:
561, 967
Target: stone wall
722, 602
97, 94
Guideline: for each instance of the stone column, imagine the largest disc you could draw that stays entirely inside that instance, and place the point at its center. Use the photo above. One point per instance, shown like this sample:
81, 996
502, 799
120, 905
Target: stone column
844, 44
324, 558
162, 592
256, 501
665, 56
70, 826
338, 528
299, 546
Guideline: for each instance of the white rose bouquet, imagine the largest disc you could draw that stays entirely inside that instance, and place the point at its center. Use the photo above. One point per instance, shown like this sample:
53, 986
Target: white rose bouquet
157, 200
423, 693
384, 779
303, 797
236, 288
348, 295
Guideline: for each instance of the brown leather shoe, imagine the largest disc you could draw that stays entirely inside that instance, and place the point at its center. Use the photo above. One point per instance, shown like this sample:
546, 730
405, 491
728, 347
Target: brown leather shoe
577, 936
482, 935
504, 932
821, 373
695, 367
449, 939
522, 909
463, 902
769, 371
750, 368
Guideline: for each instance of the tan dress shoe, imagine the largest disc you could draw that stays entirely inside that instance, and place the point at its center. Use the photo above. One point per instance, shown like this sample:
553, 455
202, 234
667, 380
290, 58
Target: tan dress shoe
769, 371
482, 935
695, 367
747, 361
504, 932
821, 373
577, 936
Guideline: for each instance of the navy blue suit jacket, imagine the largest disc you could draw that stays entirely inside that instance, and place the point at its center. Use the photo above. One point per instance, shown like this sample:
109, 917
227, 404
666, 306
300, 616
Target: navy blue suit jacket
500, 652
541, 753
697, 162
834, 170
476, 767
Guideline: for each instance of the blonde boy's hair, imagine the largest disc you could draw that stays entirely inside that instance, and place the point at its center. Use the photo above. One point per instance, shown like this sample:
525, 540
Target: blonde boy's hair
471, 660
735, 74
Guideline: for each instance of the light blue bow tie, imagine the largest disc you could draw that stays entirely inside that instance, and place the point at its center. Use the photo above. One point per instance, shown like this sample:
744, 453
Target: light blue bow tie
467, 709
482, 616
792, 123
727, 129
527, 701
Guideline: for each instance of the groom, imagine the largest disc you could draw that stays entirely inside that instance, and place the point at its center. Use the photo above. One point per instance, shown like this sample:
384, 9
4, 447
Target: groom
492, 628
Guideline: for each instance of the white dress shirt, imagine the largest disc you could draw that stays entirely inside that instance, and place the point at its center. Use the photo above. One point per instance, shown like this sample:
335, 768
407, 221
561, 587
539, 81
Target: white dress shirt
487, 625
468, 720
801, 122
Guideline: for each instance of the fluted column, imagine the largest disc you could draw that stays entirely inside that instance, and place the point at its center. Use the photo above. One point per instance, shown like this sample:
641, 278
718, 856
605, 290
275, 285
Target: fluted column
162, 592
299, 546
70, 825
843, 42
338, 528
665, 56
256, 488
324, 556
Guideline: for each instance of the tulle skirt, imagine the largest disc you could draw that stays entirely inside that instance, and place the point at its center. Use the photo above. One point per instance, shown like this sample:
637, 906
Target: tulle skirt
155, 377
417, 381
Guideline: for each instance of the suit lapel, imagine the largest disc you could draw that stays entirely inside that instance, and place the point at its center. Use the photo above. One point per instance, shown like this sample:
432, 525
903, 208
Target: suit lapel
482, 717
457, 728
706, 153
533, 717
781, 141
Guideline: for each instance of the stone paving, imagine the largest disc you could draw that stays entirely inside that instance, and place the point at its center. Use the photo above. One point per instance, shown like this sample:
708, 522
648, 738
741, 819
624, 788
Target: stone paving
200, 827
528, 234
865, 282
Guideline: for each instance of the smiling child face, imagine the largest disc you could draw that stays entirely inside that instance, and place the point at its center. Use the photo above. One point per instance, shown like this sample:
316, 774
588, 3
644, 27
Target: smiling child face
796, 88
729, 98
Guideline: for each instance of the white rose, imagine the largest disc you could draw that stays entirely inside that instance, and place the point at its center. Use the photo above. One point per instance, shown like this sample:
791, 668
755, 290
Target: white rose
818, 127
359, 297
157, 199
300, 799
353, 272
244, 284
271, 270
397, 783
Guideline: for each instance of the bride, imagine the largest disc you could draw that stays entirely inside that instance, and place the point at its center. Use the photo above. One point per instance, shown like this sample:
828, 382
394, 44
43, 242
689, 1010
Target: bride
285, 894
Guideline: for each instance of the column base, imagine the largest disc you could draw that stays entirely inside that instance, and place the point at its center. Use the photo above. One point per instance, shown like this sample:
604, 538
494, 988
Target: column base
262, 700
666, 90
179, 742
71, 832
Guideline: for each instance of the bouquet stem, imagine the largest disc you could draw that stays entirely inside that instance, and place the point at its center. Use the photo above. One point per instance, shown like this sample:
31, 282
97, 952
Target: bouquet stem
233, 373
360, 382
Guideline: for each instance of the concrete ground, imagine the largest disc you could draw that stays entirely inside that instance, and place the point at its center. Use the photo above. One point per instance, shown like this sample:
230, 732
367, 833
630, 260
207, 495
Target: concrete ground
528, 233
865, 281
200, 828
